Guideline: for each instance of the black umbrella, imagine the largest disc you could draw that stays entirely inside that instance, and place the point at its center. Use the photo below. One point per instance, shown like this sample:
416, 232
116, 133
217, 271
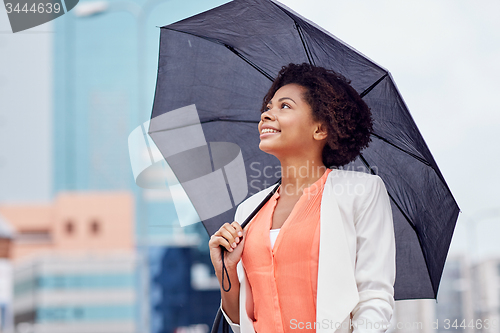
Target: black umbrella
224, 60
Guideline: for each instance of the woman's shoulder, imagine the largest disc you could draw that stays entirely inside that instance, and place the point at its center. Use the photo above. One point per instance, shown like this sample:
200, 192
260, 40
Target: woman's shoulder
354, 186
352, 176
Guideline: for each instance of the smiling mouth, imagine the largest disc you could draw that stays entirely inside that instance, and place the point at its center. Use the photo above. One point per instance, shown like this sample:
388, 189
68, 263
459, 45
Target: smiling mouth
269, 131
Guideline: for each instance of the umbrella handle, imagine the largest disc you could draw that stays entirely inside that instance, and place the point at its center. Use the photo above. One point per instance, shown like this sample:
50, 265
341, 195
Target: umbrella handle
243, 225
266, 199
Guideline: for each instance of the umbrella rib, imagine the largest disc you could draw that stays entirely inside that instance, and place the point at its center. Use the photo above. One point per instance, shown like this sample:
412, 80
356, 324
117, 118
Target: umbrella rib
230, 120
365, 162
299, 30
370, 88
306, 48
404, 151
232, 49
204, 122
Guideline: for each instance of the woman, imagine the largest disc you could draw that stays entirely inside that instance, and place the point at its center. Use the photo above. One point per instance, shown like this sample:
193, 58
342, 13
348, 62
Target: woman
320, 255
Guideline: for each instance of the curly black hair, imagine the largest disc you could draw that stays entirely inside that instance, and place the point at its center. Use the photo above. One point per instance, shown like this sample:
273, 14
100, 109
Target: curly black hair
336, 104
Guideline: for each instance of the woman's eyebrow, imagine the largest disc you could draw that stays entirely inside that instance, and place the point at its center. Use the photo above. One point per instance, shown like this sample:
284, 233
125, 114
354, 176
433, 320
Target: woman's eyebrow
282, 98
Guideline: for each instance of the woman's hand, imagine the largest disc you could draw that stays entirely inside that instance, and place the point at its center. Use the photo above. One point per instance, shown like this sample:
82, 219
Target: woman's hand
230, 236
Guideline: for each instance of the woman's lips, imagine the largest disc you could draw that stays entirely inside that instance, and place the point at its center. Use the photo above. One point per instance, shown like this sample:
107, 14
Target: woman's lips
264, 135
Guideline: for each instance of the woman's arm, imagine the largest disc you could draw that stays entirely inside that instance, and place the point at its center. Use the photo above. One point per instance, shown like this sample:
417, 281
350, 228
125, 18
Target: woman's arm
375, 270
230, 299
234, 326
230, 237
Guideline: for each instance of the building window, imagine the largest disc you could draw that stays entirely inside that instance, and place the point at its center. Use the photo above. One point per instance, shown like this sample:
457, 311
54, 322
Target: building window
69, 227
95, 227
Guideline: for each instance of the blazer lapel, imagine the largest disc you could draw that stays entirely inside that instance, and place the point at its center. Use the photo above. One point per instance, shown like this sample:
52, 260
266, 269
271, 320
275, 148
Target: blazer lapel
337, 290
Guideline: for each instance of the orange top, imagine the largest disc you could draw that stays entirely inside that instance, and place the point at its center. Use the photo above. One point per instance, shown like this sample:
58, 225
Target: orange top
283, 279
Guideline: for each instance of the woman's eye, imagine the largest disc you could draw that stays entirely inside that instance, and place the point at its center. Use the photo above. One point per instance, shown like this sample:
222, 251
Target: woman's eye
285, 105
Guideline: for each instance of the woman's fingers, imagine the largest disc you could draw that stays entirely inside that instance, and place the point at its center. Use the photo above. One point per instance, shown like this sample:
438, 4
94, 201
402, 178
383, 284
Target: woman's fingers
237, 227
229, 236
221, 241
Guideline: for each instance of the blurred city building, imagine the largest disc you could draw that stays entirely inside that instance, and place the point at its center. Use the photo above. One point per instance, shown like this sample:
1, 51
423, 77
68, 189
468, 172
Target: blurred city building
468, 300
75, 222
486, 291
6, 235
26, 105
455, 297
75, 264
76, 293
411, 316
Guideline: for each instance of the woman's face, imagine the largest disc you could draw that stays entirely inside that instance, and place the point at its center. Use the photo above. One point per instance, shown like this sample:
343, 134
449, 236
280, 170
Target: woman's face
290, 116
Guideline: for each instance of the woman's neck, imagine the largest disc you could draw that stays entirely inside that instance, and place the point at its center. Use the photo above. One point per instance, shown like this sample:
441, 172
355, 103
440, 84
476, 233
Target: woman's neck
296, 175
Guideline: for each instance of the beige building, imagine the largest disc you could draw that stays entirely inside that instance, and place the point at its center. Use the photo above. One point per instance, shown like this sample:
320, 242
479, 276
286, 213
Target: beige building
74, 222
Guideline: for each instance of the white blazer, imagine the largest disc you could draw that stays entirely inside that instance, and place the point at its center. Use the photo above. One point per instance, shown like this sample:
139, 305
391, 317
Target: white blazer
357, 256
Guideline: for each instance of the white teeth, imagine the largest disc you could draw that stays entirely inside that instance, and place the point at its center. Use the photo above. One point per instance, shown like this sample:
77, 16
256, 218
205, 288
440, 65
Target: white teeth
269, 130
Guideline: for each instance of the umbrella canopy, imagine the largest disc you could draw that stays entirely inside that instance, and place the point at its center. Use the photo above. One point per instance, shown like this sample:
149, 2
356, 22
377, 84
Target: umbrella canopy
224, 60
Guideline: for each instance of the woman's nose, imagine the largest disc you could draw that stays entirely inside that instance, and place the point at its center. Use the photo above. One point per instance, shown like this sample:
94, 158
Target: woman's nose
268, 115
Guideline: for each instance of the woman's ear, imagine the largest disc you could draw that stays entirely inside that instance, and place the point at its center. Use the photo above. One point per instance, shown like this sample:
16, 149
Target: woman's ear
320, 133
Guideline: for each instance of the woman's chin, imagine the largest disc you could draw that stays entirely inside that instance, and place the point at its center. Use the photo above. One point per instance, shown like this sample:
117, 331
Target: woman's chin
265, 148
269, 150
